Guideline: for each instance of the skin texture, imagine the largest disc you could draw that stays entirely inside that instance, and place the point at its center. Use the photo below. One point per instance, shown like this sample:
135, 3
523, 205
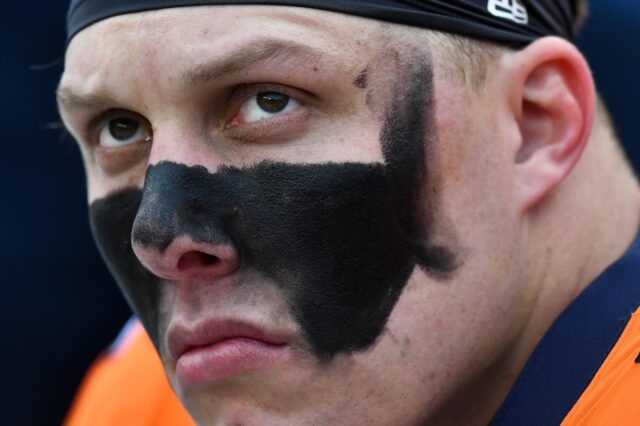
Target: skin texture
469, 212
348, 233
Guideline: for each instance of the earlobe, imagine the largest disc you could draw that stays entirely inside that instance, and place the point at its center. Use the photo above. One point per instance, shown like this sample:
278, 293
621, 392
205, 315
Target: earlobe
556, 106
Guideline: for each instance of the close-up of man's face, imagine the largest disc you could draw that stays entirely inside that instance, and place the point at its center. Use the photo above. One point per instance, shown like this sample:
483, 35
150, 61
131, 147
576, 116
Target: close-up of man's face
299, 206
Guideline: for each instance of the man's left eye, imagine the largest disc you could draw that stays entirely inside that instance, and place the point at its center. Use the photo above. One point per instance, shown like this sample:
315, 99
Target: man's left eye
265, 105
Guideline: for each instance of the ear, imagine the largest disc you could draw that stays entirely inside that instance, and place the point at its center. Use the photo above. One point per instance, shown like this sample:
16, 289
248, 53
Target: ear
553, 98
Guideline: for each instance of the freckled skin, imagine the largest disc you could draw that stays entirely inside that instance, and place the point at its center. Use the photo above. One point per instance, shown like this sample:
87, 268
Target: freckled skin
341, 239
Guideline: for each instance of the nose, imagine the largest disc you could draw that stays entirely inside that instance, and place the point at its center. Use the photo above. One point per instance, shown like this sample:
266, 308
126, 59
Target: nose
185, 259
183, 228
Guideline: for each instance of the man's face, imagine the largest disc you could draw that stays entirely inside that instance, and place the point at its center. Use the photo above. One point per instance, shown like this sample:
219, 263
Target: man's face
311, 221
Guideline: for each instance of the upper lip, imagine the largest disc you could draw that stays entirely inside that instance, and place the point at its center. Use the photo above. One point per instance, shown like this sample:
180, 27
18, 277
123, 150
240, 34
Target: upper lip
184, 337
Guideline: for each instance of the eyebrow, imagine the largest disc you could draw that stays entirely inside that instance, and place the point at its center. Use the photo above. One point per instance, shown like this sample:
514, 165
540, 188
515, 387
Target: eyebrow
69, 99
243, 58
232, 63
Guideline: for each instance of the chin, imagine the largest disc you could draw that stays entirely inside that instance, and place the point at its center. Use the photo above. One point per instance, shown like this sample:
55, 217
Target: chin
210, 409
280, 395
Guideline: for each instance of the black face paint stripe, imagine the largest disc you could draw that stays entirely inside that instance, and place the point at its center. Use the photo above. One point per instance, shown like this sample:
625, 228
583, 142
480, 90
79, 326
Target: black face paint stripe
340, 239
111, 220
409, 127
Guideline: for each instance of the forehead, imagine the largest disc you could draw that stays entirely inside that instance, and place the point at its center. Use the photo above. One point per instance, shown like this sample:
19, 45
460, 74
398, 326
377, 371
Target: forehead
170, 40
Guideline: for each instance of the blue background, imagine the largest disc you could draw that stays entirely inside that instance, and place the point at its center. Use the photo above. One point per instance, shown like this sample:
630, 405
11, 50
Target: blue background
59, 307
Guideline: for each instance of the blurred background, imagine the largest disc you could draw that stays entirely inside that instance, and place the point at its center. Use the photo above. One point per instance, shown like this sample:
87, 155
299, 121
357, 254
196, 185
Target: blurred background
59, 306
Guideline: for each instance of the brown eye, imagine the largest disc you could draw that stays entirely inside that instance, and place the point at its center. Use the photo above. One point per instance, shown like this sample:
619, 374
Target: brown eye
121, 131
272, 102
266, 105
123, 128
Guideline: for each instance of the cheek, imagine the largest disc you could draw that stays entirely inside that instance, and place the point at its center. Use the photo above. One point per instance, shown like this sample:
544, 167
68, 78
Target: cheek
420, 357
100, 184
111, 220
473, 167
455, 120
350, 138
475, 148
439, 336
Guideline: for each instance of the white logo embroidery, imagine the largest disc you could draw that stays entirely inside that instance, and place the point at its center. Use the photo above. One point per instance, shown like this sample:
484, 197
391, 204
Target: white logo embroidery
509, 9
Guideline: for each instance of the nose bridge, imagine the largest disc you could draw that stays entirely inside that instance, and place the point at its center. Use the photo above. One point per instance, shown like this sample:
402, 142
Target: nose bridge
178, 139
178, 233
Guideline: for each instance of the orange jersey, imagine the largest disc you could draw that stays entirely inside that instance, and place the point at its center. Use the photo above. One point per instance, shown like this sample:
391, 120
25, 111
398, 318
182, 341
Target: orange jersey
128, 387
586, 368
613, 396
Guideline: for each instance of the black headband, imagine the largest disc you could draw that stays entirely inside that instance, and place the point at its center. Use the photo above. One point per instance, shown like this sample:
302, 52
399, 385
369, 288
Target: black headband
511, 22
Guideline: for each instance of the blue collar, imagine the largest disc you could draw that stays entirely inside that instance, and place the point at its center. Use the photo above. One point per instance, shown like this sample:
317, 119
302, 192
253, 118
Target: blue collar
574, 348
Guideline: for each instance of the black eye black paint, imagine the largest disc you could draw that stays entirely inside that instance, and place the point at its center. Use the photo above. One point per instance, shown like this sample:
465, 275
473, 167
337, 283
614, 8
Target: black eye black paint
341, 239
362, 79
111, 220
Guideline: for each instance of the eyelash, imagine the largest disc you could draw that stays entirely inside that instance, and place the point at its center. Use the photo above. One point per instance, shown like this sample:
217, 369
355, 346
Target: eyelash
245, 92
101, 120
280, 127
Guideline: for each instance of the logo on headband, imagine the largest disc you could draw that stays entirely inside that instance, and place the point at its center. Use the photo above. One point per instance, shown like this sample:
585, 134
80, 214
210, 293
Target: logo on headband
509, 9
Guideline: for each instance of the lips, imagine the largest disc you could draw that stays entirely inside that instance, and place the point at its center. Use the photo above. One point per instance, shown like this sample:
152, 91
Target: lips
215, 350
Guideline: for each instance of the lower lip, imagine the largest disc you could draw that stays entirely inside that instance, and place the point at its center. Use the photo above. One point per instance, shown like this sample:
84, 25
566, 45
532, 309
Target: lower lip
226, 359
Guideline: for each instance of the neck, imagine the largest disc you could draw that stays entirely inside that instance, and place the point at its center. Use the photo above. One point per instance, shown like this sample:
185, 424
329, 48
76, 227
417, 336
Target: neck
587, 224
584, 227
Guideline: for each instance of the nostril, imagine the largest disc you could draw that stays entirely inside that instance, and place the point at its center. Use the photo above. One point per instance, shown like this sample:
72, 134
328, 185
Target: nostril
196, 259
185, 258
